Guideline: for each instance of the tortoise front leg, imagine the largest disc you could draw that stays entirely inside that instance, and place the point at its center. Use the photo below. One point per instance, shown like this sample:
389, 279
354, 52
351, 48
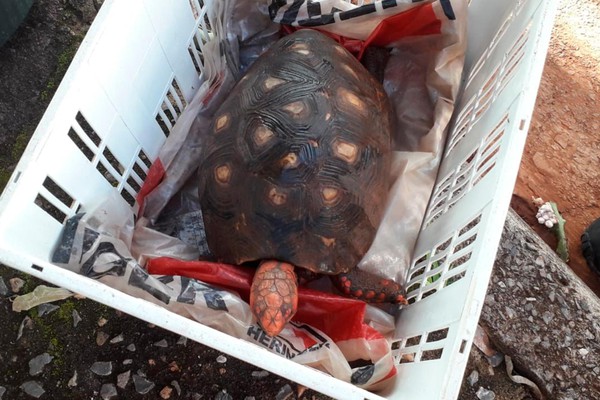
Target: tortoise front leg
367, 287
274, 295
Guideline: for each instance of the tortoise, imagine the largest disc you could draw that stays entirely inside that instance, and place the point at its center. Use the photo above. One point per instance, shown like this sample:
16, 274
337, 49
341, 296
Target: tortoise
294, 173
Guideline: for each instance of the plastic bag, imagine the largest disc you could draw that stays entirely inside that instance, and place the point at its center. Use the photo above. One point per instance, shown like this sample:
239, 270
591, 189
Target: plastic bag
331, 332
421, 78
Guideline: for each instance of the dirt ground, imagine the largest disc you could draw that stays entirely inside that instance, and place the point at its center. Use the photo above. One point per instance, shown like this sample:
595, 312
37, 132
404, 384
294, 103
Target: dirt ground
562, 154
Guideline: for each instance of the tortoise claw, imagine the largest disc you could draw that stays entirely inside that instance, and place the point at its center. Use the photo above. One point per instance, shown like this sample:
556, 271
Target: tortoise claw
364, 286
274, 295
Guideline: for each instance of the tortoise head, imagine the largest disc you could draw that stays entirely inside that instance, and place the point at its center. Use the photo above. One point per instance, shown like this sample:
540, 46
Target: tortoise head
274, 295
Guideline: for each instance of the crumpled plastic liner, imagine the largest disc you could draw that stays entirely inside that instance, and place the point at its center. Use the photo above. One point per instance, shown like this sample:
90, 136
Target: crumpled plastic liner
40, 295
421, 78
326, 334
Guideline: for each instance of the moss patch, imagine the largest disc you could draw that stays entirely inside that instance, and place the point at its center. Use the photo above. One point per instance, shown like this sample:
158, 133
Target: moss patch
62, 64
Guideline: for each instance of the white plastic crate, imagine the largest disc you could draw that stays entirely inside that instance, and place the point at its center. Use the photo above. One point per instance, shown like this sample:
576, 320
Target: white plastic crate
141, 57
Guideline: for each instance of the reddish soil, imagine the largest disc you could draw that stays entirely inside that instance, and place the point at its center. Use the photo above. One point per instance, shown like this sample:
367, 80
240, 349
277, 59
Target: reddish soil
561, 162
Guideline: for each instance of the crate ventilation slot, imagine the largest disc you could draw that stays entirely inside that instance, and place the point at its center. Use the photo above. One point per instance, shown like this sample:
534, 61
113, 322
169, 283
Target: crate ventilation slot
201, 36
126, 178
445, 264
461, 180
55, 201
424, 347
171, 108
478, 105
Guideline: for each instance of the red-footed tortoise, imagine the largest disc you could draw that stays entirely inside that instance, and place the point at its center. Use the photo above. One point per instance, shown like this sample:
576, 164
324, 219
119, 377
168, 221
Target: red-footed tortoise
295, 171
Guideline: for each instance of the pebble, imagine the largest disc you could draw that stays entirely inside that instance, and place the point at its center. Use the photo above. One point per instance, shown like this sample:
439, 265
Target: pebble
73, 381
3, 289
260, 374
584, 352
221, 359
485, 394
101, 338
37, 364
223, 395
131, 347
46, 308
26, 323
108, 391
162, 343
102, 321
123, 379
177, 387
127, 361
473, 377
182, 340
142, 385
165, 393
33, 388
284, 393
76, 318
2, 388
547, 317
174, 367
102, 368
249, 398
117, 339
16, 284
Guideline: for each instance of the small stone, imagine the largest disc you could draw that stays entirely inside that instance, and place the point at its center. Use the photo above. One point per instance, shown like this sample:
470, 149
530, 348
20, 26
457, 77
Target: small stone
597, 370
162, 343
101, 338
221, 359
73, 381
540, 261
249, 398
108, 391
473, 377
76, 318
131, 347
2, 388
46, 308
485, 394
547, 317
584, 352
102, 368
117, 339
3, 292
152, 362
565, 312
102, 321
142, 385
260, 374
223, 395
123, 379
182, 340
16, 284
127, 361
589, 335
222, 371
174, 367
177, 387
33, 388
196, 396
37, 364
284, 393
26, 323
165, 393
509, 312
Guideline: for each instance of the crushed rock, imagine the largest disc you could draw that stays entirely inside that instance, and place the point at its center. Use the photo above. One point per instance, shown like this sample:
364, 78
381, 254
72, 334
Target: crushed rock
76, 318
16, 284
73, 381
101, 338
102, 368
142, 385
37, 363
285, 393
3, 290
33, 388
108, 391
123, 379
46, 308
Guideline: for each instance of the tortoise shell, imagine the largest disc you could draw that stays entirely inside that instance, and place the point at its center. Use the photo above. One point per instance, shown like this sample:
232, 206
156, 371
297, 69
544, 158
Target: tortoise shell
296, 163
